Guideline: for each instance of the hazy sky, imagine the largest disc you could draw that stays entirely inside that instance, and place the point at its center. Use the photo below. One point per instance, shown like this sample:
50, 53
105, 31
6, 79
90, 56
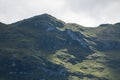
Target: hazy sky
84, 12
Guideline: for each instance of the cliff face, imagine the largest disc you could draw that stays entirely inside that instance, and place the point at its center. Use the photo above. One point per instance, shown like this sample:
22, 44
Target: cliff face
45, 48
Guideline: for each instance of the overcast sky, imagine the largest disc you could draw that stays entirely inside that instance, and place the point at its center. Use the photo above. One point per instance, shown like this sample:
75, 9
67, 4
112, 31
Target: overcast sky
88, 13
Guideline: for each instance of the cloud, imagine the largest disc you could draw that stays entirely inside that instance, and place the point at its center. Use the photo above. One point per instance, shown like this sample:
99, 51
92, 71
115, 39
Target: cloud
98, 11
83, 12
13, 10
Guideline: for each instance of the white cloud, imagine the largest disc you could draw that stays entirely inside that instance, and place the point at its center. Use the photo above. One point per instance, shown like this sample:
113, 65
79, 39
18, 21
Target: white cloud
83, 12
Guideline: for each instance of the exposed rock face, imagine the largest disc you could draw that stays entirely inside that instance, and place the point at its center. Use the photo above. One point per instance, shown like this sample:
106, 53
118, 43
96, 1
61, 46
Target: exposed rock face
78, 37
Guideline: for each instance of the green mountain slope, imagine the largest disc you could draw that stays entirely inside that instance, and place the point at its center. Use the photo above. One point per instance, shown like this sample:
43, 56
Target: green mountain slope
45, 48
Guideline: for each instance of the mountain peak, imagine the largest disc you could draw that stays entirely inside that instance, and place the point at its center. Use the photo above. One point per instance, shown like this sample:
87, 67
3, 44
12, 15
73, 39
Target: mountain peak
118, 24
41, 20
47, 15
104, 25
44, 16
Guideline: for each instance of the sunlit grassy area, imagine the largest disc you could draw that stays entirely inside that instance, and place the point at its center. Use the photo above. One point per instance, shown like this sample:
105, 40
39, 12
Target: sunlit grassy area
95, 64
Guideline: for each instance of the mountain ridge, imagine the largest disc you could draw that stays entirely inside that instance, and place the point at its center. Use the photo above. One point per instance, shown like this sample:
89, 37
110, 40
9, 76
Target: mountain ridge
46, 48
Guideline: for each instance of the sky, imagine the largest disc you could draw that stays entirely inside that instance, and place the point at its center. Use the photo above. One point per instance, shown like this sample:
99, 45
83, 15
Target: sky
89, 13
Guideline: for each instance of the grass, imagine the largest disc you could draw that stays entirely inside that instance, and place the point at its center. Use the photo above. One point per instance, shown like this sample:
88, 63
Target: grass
95, 64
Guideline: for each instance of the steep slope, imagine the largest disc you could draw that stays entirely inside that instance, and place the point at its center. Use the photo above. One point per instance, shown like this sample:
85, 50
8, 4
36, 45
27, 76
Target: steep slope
103, 37
104, 40
45, 48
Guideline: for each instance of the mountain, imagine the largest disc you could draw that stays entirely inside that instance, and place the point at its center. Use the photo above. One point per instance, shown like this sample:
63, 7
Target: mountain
45, 48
